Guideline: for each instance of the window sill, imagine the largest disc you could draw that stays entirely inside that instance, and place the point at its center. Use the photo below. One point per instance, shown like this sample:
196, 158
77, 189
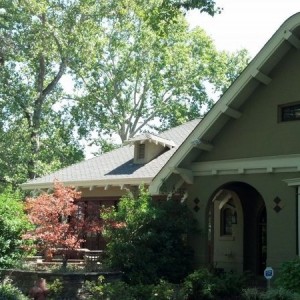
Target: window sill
227, 238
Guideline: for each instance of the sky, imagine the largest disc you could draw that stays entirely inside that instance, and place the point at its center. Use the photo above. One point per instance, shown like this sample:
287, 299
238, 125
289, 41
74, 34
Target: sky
245, 23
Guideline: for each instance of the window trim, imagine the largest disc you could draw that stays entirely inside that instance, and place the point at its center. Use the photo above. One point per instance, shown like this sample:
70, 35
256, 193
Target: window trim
281, 108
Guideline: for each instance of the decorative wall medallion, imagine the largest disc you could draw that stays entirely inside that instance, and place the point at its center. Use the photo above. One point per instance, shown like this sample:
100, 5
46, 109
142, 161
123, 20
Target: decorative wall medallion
278, 204
196, 207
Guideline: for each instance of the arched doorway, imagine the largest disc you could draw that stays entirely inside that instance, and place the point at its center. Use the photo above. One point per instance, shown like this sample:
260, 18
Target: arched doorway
237, 229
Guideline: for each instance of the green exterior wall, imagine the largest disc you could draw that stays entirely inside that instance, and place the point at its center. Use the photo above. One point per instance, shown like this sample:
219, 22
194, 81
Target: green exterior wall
281, 226
257, 132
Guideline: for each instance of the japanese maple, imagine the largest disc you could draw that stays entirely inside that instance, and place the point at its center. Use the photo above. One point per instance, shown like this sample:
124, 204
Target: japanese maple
61, 220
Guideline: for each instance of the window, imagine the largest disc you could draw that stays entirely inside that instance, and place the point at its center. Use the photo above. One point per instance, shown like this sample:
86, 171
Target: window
226, 221
289, 112
141, 151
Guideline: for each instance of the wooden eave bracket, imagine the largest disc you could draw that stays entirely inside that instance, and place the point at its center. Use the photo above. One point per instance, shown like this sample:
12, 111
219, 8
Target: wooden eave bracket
261, 77
186, 174
202, 145
292, 39
124, 187
230, 112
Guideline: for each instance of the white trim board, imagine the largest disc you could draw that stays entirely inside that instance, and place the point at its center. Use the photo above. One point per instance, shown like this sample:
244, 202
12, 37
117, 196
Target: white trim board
255, 165
87, 184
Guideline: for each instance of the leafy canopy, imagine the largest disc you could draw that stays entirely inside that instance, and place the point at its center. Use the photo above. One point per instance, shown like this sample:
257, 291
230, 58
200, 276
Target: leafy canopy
134, 77
36, 131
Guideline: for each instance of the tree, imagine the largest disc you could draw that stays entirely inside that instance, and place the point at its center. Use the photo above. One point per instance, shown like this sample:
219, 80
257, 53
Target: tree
147, 238
161, 13
137, 78
40, 40
60, 220
13, 223
42, 37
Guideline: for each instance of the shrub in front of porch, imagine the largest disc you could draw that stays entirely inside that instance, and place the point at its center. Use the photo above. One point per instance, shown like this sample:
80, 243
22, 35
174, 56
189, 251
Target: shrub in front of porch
203, 284
146, 239
121, 290
289, 276
272, 294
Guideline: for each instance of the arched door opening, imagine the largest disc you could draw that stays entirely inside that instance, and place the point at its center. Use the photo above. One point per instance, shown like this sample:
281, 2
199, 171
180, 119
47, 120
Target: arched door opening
237, 229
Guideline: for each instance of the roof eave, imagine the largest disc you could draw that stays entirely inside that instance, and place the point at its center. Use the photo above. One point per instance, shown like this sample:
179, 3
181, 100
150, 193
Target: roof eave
89, 183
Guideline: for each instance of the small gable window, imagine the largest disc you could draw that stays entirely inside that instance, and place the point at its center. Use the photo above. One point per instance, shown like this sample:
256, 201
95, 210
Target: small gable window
289, 112
141, 151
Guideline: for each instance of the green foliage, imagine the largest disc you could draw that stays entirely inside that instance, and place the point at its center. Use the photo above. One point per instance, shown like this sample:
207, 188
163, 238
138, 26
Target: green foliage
9, 292
201, 284
280, 294
55, 289
163, 291
159, 14
101, 290
13, 223
231, 284
35, 128
252, 294
272, 294
135, 76
133, 62
146, 238
120, 290
289, 276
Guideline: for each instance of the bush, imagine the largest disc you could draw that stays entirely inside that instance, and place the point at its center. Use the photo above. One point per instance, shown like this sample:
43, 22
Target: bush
13, 224
55, 289
272, 294
280, 294
201, 284
145, 239
289, 276
9, 292
163, 291
100, 290
117, 290
230, 285
252, 294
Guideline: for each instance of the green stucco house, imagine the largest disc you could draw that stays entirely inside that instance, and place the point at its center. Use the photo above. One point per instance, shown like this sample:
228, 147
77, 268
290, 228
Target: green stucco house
240, 167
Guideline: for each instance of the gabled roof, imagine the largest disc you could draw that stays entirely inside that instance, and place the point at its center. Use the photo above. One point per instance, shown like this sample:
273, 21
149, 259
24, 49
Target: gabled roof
152, 139
115, 167
256, 73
